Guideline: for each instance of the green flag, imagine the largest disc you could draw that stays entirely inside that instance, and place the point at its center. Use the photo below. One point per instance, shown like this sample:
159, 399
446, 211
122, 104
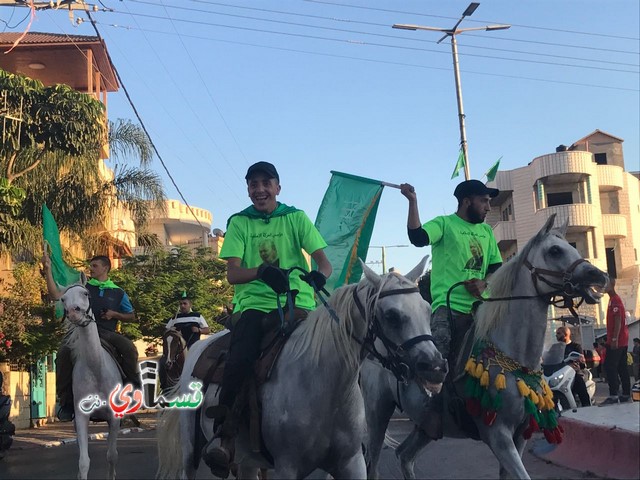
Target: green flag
345, 220
459, 164
491, 174
63, 274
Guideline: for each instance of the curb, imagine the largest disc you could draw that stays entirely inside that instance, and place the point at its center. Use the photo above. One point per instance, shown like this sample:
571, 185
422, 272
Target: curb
94, 436
607, 451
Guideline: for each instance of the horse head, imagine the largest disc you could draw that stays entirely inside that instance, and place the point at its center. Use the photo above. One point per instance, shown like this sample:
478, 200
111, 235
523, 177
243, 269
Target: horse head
557, 269
400, 320
173, 347
77, 305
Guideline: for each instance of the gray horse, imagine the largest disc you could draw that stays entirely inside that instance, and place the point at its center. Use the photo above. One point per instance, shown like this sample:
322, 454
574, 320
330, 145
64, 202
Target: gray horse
514, 331
95, 374
313, 413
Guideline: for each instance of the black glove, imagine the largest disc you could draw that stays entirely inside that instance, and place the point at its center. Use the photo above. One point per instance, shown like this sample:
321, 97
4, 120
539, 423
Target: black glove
316, 279
275, 277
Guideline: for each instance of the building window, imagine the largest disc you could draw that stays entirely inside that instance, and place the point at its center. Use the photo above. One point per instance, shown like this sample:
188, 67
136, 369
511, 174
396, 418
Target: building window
559, 198
600, 158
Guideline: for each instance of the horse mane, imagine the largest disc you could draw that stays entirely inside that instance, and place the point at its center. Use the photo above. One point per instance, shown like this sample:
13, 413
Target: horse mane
501, 283
320, 327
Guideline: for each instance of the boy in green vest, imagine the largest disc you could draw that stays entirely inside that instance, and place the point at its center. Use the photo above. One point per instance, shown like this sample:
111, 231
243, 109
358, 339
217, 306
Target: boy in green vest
262, 241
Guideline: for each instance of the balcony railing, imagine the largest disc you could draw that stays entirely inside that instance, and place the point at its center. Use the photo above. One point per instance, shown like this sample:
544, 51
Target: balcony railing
610, 177
563, 162
579, 214
505, 231
614, 226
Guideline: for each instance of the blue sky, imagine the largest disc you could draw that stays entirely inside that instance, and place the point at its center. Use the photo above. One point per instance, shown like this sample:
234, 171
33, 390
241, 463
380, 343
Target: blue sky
314, 86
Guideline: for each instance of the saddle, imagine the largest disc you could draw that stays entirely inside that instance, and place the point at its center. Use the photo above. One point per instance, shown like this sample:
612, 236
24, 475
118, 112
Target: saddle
210, 366
111, 350
247, 408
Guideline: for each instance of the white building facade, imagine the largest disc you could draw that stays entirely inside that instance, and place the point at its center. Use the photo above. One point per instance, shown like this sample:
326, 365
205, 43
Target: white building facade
587, 184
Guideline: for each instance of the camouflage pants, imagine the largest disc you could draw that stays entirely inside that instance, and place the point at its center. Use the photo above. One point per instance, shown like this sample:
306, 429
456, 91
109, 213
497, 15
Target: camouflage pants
448, 337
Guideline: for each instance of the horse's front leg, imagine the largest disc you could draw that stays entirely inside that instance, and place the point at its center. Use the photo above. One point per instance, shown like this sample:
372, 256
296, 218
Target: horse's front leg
82, 434
112, 450
409, 450
501, 441
378, 416
520, 444
354, 467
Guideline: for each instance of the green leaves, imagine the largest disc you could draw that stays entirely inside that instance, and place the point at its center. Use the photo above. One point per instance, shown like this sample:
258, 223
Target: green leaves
153, 282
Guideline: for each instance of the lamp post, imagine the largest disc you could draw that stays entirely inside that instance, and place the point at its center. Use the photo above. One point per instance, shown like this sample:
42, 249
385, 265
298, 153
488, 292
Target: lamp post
452, 32
384, 253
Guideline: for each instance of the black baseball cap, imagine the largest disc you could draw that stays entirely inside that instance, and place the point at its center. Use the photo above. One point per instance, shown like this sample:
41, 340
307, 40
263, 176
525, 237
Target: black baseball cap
264, 167
469, 188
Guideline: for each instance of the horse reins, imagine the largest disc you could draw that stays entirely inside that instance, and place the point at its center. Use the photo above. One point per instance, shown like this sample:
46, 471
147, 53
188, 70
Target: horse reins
566, 290
90, 318
394, 361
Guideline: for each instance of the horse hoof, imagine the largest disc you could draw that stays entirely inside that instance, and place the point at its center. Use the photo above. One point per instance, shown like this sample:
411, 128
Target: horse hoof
217, 459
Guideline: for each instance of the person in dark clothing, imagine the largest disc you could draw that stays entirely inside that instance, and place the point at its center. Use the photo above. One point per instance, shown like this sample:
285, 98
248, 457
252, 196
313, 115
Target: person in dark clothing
109, 304
563, 335
190, 324
617, 344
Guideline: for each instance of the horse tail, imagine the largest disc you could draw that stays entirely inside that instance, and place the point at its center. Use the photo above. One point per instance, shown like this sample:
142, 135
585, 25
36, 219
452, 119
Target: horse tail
169, 445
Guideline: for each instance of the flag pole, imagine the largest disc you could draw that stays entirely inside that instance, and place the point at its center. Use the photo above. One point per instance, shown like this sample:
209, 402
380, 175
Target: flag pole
392, 185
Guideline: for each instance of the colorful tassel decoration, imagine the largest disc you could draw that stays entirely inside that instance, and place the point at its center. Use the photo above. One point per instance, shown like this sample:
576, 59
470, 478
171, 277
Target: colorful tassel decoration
470, 366
500, 382
489, 417
534, 398
473, 407
484, 379
479, 370
523, 388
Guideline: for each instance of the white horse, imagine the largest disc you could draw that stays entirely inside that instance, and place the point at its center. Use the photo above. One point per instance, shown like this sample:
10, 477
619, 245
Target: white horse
313, 412
513, 333
95, 373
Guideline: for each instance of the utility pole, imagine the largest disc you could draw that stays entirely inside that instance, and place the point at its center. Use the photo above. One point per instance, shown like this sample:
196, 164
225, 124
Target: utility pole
452, 32
384, 254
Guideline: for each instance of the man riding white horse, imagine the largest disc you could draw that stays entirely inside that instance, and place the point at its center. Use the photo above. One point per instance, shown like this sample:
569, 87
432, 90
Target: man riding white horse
109, 304
463, 249
260, 242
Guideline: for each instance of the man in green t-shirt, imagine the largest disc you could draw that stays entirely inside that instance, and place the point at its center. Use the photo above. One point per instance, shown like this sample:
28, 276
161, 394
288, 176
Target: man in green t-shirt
463, 249
261, 243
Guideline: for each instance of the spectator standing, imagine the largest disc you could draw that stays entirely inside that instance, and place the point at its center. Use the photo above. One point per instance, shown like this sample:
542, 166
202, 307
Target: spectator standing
636, 358
617, 345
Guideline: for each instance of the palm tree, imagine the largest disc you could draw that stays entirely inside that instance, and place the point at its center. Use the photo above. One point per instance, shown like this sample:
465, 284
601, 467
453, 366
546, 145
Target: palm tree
81, 193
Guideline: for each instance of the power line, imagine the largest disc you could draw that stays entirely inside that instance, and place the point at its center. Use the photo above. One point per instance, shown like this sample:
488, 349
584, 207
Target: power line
471, 20
206, 87
316, 37
135, 111
178, 125
413, 39
360, 22
385, 62
186, 101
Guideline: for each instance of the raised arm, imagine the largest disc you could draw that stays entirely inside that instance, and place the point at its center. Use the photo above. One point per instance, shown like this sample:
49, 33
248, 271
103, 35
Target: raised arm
52, 287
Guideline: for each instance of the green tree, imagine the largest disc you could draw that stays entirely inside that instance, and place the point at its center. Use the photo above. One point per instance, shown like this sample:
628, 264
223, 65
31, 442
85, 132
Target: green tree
52, 156
155, 281
27, 327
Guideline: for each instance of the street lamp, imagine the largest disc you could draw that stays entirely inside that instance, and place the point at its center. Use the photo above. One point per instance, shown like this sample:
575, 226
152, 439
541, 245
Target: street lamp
452, 32
384, 253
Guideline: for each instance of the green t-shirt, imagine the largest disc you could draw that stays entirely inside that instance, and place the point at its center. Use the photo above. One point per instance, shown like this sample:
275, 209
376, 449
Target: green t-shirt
461, 251
275, 239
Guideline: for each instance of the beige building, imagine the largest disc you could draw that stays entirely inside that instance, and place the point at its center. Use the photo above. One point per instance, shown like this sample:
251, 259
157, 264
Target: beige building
587, 184
180, 224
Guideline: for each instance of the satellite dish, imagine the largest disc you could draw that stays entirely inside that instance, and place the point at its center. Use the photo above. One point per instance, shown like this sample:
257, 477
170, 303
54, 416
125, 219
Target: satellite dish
217, 232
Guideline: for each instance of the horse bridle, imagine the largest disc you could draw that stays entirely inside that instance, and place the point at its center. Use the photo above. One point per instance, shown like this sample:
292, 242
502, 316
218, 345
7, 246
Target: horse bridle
88, 314
394, 361
181, 349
